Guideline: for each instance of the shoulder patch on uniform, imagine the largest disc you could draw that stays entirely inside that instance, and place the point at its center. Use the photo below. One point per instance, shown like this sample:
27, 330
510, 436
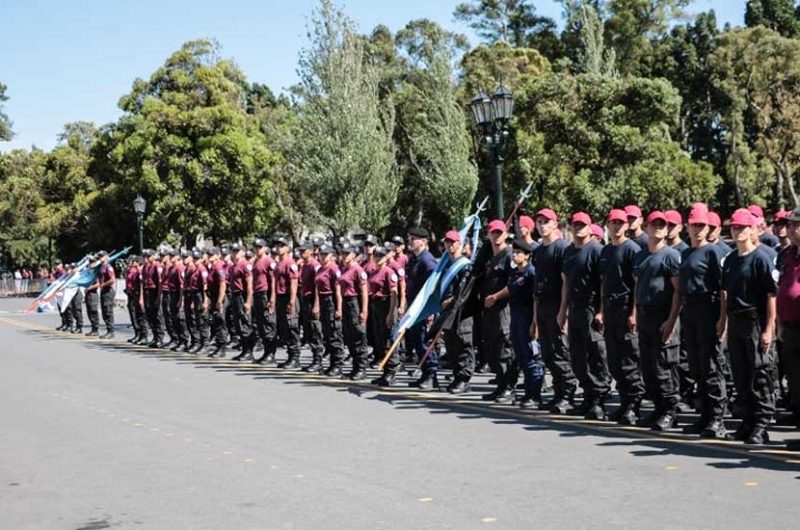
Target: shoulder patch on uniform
401, 272
249, 268
273, 265
363, 275
160, 270
338, 273
775, 275
317, 268
394, 277
204, 274
293, 267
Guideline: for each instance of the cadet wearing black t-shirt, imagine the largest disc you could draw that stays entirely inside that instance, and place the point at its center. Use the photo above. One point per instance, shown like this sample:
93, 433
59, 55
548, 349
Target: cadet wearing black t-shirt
749, 284
700, 281
657, 306
619, 317
549, 261
582, 281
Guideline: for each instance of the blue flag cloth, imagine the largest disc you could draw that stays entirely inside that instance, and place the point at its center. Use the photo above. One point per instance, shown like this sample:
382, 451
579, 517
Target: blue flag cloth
429, 299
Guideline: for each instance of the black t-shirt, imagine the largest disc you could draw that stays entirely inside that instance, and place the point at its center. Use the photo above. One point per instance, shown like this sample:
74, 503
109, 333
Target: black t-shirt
770, 240
496, 272
549, 263
724, 246
582, 270
654, 272
701, 271
641, 240
770, 252
682, 248
748, 281
616, 266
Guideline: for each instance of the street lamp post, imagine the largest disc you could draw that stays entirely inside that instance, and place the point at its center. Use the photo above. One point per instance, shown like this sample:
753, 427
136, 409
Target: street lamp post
492, 115
139, 206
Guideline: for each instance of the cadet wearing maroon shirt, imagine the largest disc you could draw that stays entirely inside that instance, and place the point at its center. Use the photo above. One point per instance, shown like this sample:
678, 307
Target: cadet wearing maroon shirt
382, 285
328, 308
312, 325
286, 276
92, 300
106, 282
166, 296
264, 301
133, 291
242, 302
151, 282
217, 287
227, 263
176, 288
198, 291
188, 302
788, 306
353, 283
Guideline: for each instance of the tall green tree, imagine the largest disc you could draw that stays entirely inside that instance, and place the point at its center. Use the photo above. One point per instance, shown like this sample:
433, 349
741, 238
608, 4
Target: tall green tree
758, 72
5, 123
187, 143
632, 27
21, 176
341, 158
512, 21
435, 147
779, 15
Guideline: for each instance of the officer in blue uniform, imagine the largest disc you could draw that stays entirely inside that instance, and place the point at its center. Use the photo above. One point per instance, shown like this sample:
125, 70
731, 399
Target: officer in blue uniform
420, 265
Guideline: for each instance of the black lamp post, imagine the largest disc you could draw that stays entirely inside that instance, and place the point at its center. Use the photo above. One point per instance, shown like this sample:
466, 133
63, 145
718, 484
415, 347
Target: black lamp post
139, 206
491, 115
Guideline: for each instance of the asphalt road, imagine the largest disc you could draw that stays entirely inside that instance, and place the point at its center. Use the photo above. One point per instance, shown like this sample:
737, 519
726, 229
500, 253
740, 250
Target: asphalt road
105, 435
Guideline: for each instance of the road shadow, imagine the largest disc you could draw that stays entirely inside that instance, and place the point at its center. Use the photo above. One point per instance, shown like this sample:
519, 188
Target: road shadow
641, 442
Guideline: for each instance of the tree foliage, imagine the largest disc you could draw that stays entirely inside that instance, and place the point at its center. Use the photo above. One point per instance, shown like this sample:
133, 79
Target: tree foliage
5, 123
341, 157
779, 15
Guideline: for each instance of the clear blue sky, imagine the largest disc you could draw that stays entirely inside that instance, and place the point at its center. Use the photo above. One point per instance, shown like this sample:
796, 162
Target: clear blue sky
71, 60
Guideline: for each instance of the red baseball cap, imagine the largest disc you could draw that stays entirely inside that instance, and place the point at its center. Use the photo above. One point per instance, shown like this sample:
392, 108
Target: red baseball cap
526, 222
755, 209
673, 217
617, 215
743, 217
597, 231
781, 215
632, 210
655, 216
453, 236
497, 225
714, 219
547, 213
581, 217
699, 214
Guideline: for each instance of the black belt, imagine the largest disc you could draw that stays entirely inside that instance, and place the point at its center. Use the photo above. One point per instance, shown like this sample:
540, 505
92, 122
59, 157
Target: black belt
702, 298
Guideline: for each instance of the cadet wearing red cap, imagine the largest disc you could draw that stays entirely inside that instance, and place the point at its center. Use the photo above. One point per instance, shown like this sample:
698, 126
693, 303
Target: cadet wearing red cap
715, 229
685, 382
700, 285
526, 227
635, 230
549, 264
580, 299
674, 229
496, 316
788, 308
749, 309
619, 317
764, 237
657, 308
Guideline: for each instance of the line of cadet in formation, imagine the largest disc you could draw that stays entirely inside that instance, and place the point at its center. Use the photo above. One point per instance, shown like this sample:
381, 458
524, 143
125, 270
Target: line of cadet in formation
683, 325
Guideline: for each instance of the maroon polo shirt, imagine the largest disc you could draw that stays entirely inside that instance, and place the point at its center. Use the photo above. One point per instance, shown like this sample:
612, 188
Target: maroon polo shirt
198, 278
285, 272
326, 278
308, 276
398, 269
166, 272
262, 274
175, 281
351, 280
788, 300
132, 280
241, 272
217, 277
382, 282
151, 275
